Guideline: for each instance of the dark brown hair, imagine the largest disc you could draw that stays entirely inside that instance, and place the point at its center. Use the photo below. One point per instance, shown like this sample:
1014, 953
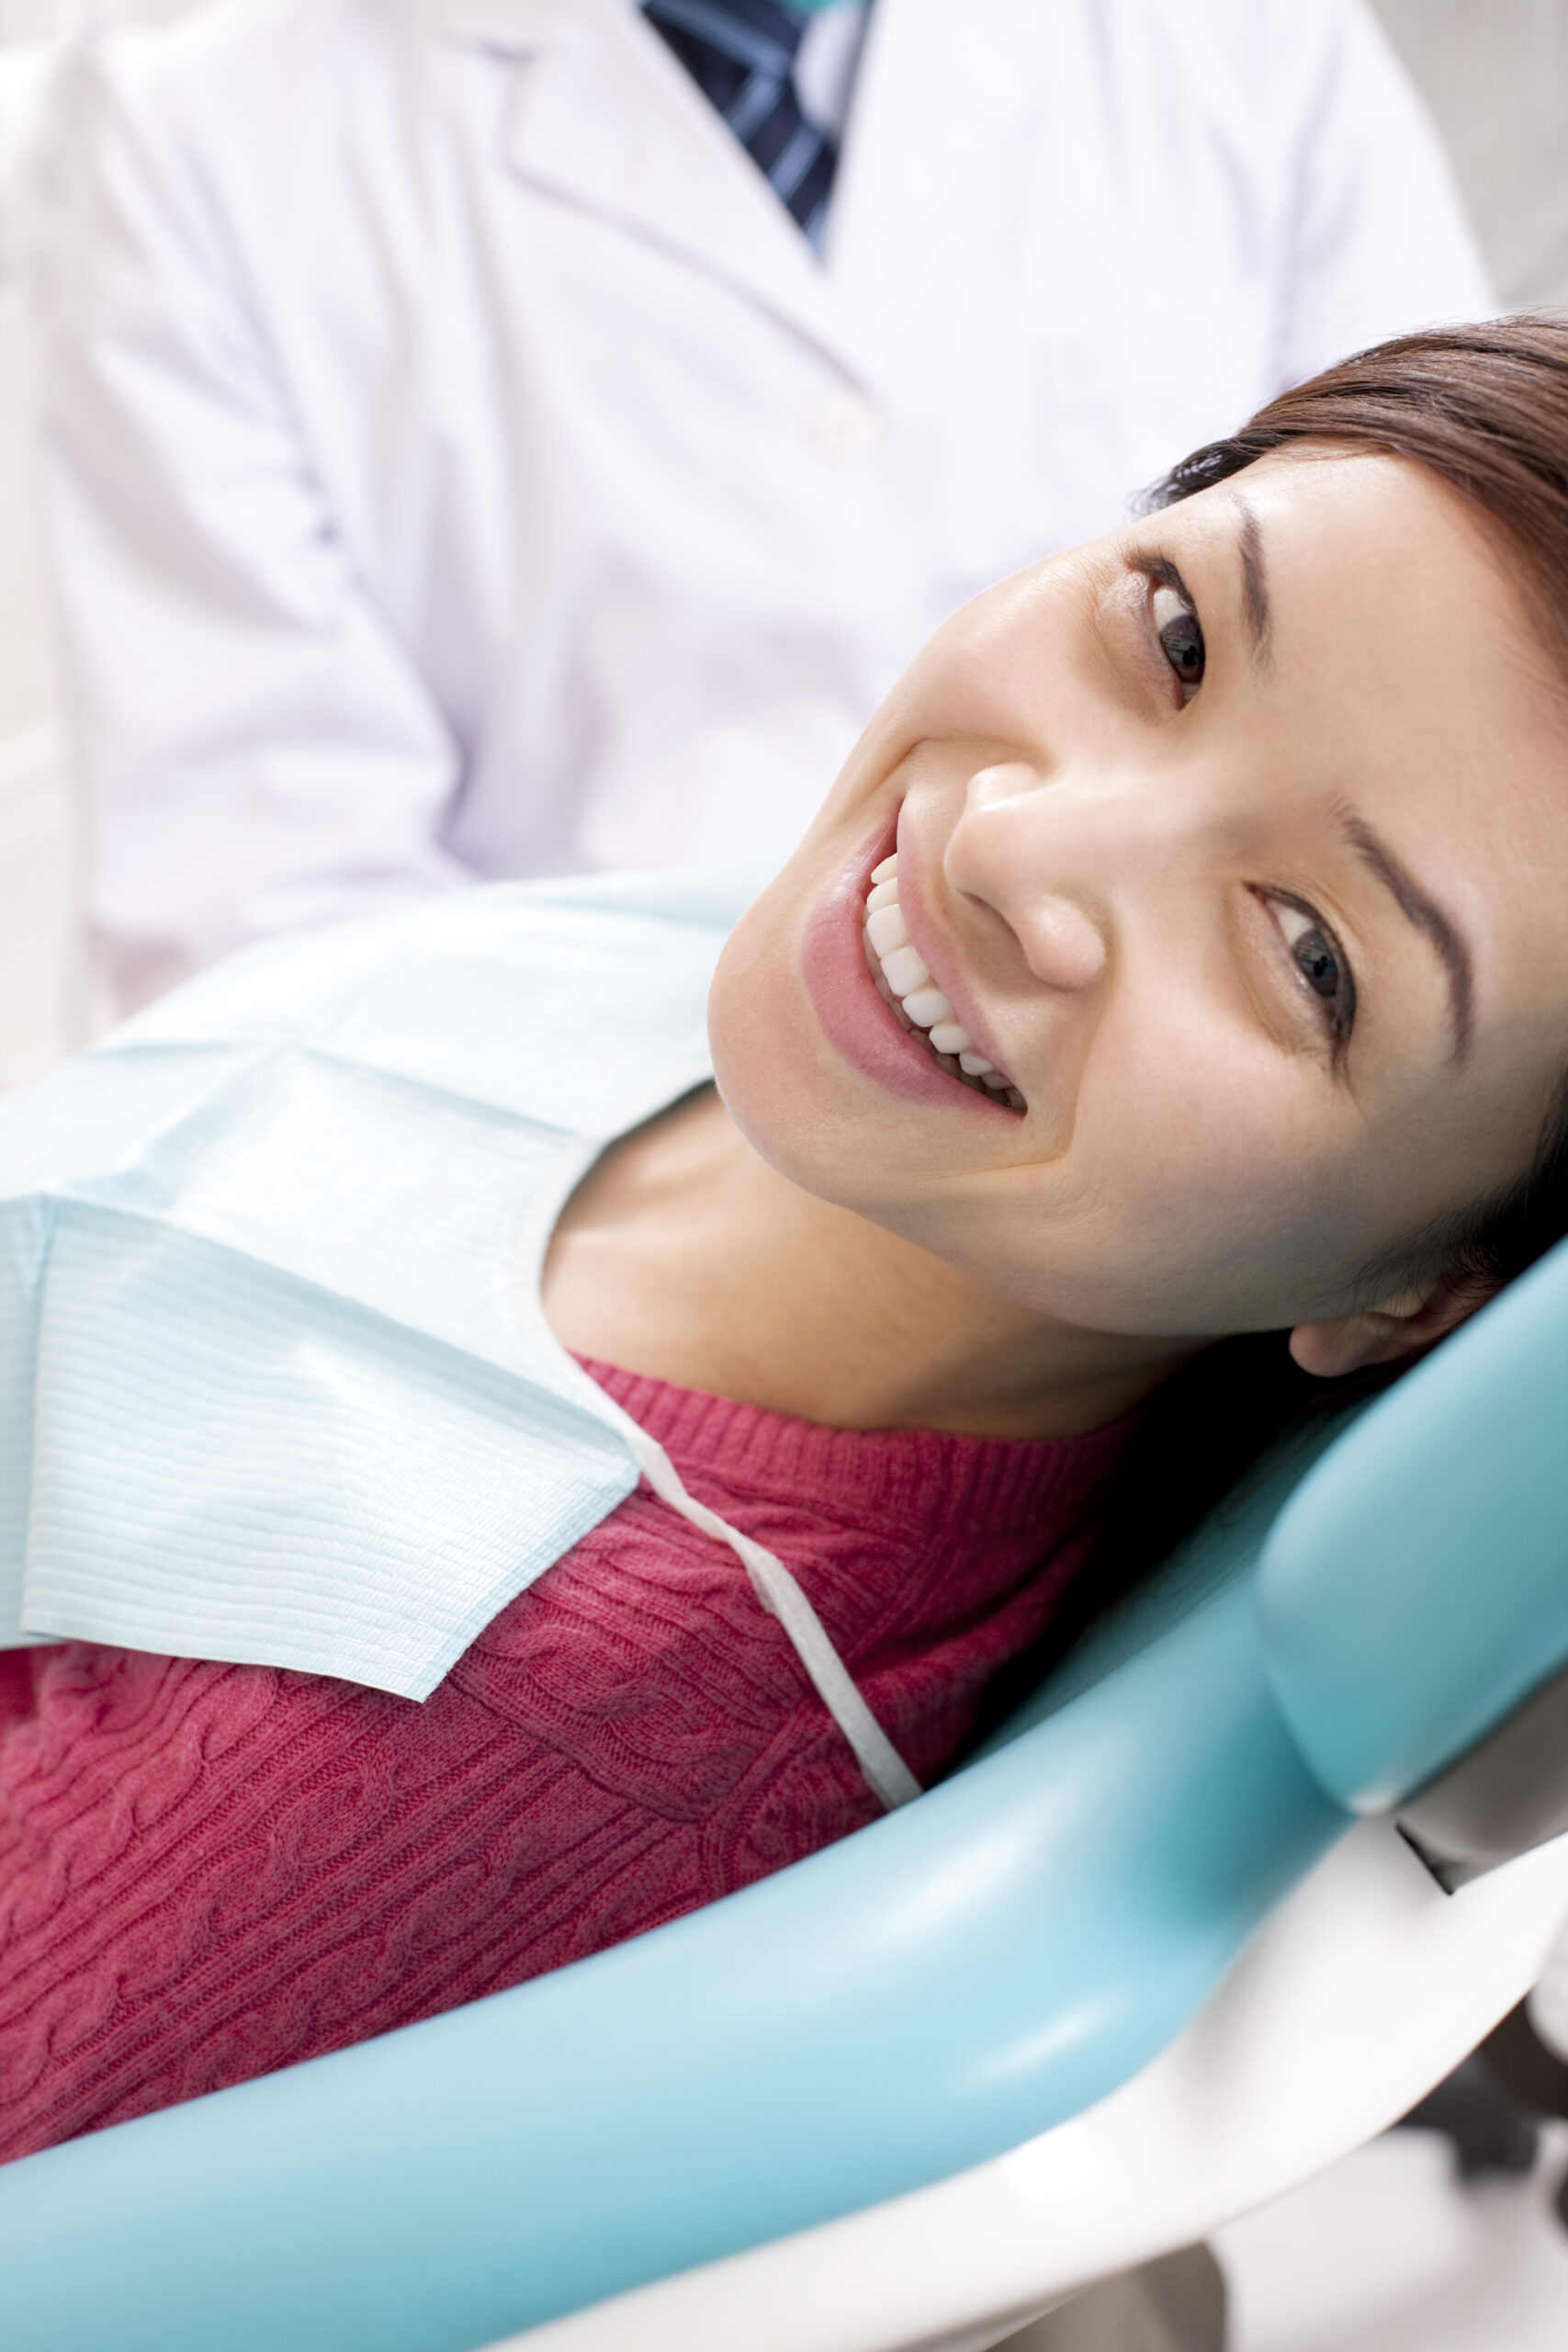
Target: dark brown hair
1485, 409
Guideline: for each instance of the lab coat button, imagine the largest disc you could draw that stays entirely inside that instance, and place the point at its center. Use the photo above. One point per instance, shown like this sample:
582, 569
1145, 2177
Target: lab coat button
844, 425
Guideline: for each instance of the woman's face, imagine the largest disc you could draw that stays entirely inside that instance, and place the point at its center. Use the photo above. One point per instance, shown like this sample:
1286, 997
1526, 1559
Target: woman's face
1239, 843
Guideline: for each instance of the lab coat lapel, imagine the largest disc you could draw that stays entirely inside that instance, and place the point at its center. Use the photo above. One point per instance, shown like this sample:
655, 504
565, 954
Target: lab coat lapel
606, 118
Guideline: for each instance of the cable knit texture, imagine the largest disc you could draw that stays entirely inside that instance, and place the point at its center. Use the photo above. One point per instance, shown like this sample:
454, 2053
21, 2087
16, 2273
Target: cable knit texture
208, 1872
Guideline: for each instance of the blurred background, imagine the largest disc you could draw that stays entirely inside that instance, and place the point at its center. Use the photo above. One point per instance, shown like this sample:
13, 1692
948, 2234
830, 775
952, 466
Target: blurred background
1494, 72
43, 1007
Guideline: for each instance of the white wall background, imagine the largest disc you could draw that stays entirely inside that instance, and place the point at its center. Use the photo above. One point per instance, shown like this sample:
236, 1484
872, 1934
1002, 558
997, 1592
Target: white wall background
1495, 73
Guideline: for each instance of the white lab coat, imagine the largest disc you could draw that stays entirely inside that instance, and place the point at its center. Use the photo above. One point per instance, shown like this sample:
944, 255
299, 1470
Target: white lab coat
459, 464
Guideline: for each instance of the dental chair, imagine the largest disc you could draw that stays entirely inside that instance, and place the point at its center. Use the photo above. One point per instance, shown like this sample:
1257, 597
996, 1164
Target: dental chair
1272, 1852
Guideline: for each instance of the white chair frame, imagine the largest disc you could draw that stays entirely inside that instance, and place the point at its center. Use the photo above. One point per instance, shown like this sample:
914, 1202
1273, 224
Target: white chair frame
1365, 1988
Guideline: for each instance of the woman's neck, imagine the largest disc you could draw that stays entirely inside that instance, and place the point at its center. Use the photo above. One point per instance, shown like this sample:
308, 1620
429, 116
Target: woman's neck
684, 1256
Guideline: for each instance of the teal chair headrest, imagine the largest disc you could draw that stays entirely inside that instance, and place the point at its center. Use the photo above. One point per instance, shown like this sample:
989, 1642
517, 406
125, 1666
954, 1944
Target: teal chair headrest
1414, 1591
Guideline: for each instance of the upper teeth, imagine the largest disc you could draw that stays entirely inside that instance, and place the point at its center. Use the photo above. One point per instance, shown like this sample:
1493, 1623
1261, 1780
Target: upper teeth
908, 979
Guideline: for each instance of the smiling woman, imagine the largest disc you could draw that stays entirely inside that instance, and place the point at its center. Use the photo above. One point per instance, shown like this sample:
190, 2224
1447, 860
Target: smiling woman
1237, 842
1164, 1021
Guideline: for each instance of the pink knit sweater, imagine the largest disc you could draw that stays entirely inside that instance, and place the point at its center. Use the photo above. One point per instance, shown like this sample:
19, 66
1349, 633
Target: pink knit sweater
208, 1872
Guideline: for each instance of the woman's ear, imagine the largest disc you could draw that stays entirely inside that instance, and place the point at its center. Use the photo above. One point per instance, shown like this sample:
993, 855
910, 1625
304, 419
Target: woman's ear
1405, 1323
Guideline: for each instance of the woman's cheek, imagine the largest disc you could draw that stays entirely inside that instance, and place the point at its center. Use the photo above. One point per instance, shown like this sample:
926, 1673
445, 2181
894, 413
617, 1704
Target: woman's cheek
1209, 1203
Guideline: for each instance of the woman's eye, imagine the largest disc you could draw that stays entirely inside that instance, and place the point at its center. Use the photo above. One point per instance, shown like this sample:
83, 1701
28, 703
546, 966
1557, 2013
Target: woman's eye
1180, 634
1321, 962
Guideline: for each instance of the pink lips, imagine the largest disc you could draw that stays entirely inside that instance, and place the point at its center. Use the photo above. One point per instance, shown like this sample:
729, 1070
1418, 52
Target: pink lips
855, 1019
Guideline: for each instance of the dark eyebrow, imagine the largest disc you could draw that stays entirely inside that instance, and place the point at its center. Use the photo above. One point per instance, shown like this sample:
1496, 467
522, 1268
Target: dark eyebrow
1255, 607
1429, 919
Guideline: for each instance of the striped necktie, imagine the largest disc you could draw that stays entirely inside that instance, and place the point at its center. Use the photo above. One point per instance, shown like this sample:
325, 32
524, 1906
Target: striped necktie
740, 54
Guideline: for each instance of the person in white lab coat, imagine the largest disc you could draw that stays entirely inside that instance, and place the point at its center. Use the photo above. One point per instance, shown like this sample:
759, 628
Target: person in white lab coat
461, 462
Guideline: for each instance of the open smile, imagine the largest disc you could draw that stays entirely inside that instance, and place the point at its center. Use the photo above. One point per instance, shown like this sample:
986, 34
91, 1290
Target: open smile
863, 1018
904, 983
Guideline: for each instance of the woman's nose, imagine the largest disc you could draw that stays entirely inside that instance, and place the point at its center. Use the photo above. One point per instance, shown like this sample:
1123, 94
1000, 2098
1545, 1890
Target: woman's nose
1062, 946
997, 856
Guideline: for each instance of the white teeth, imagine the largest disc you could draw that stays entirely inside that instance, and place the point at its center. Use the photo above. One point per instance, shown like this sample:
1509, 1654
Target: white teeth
904, 971
885, 929
926, 1007
914, 996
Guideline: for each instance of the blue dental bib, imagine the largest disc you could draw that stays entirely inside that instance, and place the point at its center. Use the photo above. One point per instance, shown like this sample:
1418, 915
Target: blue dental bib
274, 1386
